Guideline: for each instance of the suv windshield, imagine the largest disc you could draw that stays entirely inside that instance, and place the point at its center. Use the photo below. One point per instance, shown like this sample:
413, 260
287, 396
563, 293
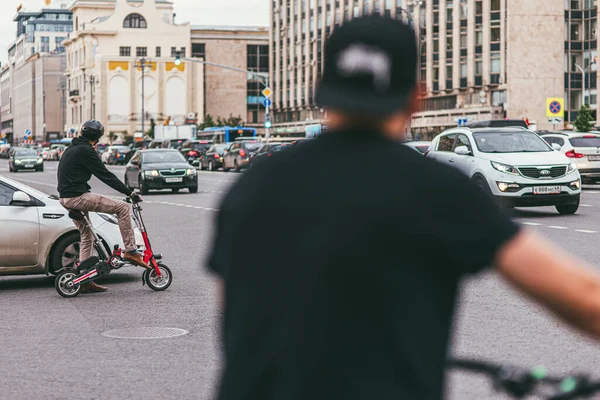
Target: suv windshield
26, 153
585, 142
252, 146
510, 142
162, 157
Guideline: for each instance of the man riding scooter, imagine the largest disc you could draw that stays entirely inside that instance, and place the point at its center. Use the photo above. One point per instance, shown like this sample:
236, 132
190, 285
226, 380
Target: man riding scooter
78, 163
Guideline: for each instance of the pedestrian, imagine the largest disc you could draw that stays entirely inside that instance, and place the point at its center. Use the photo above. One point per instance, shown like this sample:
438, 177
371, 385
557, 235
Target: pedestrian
339, 259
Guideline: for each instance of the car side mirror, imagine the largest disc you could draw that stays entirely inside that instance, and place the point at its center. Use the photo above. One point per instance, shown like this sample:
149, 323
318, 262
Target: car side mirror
20, 199
462, 151
556, 146
135, 162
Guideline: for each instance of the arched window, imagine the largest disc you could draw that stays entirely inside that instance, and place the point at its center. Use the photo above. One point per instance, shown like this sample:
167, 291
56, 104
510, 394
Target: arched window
135, 21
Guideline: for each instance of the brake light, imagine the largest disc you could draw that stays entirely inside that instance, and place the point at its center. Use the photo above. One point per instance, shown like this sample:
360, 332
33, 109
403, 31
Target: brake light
589, 136
216, 155
243, 153
572, 154
269, 154
192, 153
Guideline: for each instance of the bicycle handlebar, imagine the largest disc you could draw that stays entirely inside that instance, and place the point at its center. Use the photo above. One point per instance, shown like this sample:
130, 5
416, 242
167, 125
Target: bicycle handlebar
520, 382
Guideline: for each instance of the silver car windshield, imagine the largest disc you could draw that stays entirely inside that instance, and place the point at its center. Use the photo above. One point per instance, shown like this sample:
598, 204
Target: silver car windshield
510, 142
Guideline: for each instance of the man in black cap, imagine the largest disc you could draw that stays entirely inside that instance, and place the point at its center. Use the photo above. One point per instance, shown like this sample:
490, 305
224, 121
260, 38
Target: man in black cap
366, 240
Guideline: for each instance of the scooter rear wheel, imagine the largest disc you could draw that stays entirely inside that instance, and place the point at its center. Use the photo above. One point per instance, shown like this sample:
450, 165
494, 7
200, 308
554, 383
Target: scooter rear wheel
64, 285
161, 282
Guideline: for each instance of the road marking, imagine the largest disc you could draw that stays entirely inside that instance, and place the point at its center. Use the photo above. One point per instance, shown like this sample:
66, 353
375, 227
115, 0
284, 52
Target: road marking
557, 227
585, 231
586, 205
531, 223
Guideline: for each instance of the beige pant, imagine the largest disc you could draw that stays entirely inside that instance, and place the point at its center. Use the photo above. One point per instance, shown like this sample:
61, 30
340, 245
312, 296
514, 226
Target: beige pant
94, 202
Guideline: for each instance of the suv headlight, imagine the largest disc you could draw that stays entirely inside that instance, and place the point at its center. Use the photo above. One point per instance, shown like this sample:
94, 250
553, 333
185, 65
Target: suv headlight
507, 169
572, 167
151, 173
17, 161
39, 161
191, 171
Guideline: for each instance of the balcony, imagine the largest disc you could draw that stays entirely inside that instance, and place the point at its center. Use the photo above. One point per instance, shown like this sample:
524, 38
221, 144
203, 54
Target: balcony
74, 95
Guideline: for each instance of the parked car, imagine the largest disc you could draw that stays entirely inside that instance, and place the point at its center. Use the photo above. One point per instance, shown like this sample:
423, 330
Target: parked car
155, 144
101, 148
45, 153
55, 148
419, 146
267, 150
192, 150
514, 165
37, 234
212, 159
582, 148
156, 169
238, 155
61, 150
497, 123
25, 159
4, 149
173, 143
115, 155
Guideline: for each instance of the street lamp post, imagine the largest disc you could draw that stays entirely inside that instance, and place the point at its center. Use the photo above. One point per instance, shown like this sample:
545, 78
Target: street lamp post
142, 64
92, 82
583, 82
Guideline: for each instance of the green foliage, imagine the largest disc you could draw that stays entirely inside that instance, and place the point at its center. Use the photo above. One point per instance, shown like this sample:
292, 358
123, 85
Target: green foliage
208, 122
150, 132
230, 121
111, 137
585, 118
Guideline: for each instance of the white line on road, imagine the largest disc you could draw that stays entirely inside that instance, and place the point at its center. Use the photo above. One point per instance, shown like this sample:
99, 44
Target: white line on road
585, 231
586, 205
557, 227
531, 223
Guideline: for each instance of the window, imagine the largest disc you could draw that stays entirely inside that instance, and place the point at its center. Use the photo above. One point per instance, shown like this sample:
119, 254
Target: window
125, 51
6, 195
446, 142
182, 52
575, 26
495, 34
157, 51
575, 60
449, 43
478, 38
463, 140
495, 58
436, 45
575, 4
173, 51
45, 47
449, 72
436, 73
463, 68
463, 40
436, 17
478, 8
141, 51
464, 9
135, 21
478, 68
449, 14
495, 5
574, 100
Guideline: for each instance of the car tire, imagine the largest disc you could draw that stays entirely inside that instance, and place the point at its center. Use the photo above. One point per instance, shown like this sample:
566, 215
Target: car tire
200, 166
568, 209
211, 167
224, 168
127, 184
236, 167
143, 189
483, 185
175, 190
40, 169
193, 189
68, 248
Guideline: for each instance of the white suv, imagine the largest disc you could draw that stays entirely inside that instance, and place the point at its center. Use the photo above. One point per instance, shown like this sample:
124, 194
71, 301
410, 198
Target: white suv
582, 148
514, 165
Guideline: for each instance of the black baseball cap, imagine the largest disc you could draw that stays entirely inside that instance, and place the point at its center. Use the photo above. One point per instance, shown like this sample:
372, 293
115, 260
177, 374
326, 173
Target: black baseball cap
370, 67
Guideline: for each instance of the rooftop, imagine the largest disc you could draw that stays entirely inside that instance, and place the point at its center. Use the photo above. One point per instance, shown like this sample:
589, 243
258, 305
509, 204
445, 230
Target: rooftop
230, 28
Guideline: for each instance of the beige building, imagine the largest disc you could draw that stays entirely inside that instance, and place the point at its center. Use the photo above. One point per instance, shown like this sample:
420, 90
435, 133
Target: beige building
479, 59
104, 78
229, 92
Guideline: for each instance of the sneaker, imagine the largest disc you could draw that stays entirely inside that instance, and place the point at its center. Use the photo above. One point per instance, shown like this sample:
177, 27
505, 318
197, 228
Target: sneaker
92, 287
136, 258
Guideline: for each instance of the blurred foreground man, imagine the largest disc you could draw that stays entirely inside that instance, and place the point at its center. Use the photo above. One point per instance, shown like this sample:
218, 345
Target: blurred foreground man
340, 258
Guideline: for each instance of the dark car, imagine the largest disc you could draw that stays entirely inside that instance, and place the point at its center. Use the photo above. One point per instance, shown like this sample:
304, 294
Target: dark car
239, 154
101, 148
173, 143
137, 145
155, 169
212, 159
498, 123
267, 151
192, 150
26, 159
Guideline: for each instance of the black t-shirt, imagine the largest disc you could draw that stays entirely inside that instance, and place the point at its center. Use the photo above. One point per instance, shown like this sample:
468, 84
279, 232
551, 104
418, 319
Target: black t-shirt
341, 258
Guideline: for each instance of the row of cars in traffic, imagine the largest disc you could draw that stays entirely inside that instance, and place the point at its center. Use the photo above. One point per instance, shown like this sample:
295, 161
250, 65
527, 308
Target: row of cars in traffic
519, 167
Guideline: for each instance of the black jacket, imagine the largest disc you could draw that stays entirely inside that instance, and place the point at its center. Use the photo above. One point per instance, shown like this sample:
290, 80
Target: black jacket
77, 165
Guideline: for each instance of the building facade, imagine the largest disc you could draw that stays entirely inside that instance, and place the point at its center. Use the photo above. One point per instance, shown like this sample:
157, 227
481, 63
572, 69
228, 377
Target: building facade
230, 92
105, 80
479, 59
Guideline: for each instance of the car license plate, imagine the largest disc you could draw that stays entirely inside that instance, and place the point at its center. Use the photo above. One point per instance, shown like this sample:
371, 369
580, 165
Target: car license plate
28, 166
546, 190
594, 158
173, 180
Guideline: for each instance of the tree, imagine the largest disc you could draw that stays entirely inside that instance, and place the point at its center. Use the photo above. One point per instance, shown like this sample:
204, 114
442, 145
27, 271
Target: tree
150, 132
111, 137
230, 121
127, 139
583, 122
208, 122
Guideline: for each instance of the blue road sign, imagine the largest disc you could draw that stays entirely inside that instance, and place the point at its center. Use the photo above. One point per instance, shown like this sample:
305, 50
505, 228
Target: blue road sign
267, 102
462, 121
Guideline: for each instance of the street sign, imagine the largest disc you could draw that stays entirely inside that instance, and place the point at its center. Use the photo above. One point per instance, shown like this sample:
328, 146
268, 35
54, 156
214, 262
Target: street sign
462, 121
267, 102
555, 120
555, 107
267, 92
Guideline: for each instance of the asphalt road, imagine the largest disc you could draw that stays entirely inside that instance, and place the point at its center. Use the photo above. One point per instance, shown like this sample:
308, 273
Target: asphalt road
52, 348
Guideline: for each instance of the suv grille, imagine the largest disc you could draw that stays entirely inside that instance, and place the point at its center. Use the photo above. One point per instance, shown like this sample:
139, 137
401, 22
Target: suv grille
541, 172
168, 172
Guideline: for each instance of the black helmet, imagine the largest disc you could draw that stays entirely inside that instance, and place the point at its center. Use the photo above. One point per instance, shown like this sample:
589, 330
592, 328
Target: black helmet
92, 129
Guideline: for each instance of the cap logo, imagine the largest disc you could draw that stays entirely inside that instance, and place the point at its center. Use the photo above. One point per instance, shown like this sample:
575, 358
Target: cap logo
361, 58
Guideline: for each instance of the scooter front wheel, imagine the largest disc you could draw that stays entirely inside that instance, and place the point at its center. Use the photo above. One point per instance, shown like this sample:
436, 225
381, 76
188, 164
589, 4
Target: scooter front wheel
64, 284
156, 282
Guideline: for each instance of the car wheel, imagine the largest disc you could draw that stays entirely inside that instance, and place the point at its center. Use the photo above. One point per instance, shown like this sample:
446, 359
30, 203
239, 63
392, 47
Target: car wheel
200, 166
10, 168
568, 209
236, 167
175, 190
127, 184
143, 189
225, 169
40, 169
211, 166
193, 189
65, 253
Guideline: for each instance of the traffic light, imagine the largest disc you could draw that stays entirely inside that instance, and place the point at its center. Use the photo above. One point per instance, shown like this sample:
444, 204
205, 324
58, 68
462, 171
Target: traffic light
177, 58
267, 120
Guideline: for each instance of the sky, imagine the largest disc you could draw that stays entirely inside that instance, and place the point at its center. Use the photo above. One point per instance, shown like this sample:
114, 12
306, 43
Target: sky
198, 12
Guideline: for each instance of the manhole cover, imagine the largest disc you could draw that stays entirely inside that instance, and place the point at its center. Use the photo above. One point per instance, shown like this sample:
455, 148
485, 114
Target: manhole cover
153, 332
